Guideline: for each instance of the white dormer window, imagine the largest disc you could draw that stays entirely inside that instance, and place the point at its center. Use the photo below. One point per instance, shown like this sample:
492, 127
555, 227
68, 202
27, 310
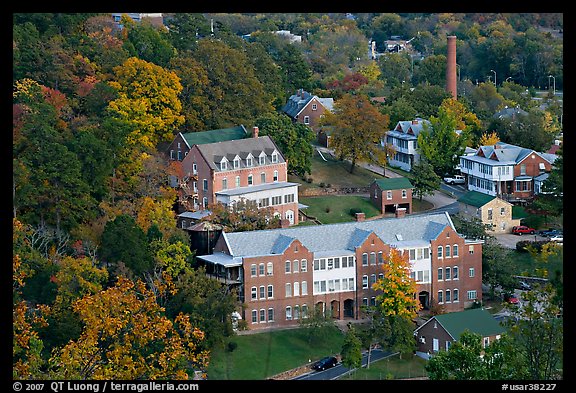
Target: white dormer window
249, 161
224, 164
236, 162
262, 159
275, 157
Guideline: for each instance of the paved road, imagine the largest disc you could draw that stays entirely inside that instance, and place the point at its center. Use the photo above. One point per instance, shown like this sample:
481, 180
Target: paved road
340, 370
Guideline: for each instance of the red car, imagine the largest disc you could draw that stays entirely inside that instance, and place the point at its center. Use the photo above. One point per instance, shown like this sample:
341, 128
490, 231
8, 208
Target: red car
522, 229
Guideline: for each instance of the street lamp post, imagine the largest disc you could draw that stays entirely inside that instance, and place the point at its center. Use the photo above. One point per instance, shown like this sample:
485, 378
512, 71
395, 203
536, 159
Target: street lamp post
508, 78
551, 76
494, 77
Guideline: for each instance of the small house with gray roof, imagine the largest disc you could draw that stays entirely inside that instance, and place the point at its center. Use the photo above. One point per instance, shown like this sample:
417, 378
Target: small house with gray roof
506, 171
282, 274
404, 139
441, 331
252, 169
392, 195
495, 213
306, 108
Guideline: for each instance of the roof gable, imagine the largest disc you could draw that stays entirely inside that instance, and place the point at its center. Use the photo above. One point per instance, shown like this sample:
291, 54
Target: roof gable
394, 183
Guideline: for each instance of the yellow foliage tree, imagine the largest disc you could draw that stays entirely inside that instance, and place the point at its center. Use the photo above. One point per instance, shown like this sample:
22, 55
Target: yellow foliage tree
489, 139
126, 336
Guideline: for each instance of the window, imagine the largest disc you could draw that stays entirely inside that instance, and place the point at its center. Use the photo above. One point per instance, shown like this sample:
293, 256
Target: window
194, 169
250, 182
270, 291
205, 184
269, 268
237, 181
254, 316
380, 276
223, 165
275, 178
337, 284
287, 267
288, 289
448, 251
270, 315
296, 312
330, 285
253, 270
262, 159
351, 284
440, 273
274, 157
262, 315
304, 311
337, 263
455, 295
224, 184
330, 263
490, 214
404, 194
502, 211
306, 120
447, 277
303, 265
471, 249
365, 301
295, 266
365, 259
264, 202
236, 162
455, 250
376, 193
522, 169
380, 258
448, 296
372, 279
373, 301
288, 313
179, 155
263, 178
388, 194
440, 251
248, 161
455, 273
365, 282
304, 288
471, 295
289, 198
254, 293
296, 289
262, 292
261, 269
171, 154
205, 202
195, 186
372, 258
440, 297
314, 107
276, 200
471, 272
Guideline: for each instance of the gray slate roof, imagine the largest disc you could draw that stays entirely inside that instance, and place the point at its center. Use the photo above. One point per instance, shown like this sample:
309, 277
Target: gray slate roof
506, 154
297, 102
213, 152
342, 237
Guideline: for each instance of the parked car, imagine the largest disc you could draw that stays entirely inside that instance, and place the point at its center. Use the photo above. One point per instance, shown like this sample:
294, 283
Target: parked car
325, 363
456, 179
550, 232
522, 229
511, 298
557, 238
524, 286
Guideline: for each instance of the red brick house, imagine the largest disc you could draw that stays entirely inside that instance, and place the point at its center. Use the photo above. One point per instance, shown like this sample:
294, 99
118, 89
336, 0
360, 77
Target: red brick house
441, 331
306, 108
250, 168
281, 273
392, 195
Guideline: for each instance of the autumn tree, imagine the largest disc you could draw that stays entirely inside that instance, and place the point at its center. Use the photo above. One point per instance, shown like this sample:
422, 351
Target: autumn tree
244, 215
358, 130
489, 139
398, 304
126, 336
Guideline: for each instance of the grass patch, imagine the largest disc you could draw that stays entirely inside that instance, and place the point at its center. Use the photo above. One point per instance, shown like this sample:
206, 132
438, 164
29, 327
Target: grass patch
526, 264
260, 356
410, 366
334, 209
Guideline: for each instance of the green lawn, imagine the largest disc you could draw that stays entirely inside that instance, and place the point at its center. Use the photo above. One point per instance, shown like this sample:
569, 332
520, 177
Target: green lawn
333, 209
260, 356
410, 366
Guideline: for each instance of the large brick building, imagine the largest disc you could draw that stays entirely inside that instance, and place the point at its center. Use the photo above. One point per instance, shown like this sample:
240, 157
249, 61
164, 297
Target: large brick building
281, 273
250, 168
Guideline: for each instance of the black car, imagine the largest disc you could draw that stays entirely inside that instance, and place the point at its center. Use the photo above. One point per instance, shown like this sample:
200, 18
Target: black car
324, 363
550, 232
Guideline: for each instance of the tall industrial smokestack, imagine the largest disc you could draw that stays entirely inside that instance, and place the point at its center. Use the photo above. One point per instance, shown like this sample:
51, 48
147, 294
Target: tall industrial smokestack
451, 66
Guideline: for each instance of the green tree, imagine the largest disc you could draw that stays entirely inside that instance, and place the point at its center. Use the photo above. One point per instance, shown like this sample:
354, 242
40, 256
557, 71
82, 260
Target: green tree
293, 140
148, 42
424, 179
497, 266
358, 129
351, 350
551, 198
185, 28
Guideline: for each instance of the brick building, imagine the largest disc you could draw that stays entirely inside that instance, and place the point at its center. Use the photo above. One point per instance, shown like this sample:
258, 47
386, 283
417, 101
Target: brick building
392, 195
281, 273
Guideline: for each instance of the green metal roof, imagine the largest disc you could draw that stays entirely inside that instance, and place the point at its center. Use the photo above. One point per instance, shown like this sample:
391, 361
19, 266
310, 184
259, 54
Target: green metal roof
475, 198
394, 183
476, 320
213, 136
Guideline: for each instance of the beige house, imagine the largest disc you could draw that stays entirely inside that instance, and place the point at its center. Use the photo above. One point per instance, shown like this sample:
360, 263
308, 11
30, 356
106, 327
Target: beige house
496, 213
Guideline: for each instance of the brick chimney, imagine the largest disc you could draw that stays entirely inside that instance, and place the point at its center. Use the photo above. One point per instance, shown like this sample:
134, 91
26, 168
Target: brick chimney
255, 132
360, 217
451, 66
400, 212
